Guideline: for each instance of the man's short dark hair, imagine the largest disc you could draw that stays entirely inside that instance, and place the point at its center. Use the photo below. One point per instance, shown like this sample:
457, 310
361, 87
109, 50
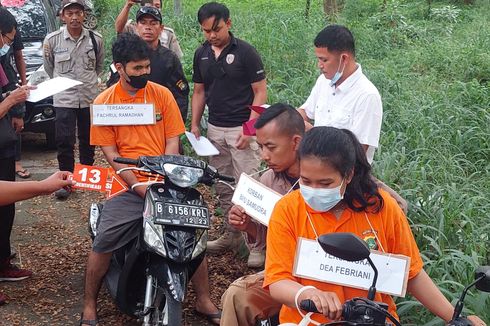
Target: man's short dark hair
129, 47
287, 118
336, 38
213, 9
7, 21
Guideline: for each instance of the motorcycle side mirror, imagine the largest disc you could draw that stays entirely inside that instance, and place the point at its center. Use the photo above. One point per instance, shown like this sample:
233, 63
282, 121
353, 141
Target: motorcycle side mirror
482, 283
346, 246
482, 274
350, 247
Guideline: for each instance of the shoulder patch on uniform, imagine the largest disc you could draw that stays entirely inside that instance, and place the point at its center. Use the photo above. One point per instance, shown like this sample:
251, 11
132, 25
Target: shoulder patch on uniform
50, 35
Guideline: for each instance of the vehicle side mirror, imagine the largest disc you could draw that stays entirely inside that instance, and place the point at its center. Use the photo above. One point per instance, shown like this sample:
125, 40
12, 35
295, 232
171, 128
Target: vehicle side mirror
346, 246
484, 283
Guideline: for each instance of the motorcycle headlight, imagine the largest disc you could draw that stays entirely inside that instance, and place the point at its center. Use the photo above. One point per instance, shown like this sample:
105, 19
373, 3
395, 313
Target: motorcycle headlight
183, 176
152, 237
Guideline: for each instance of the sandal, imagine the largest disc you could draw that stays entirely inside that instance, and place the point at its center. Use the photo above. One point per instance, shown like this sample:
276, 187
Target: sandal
89, 322
210, 317
24, 174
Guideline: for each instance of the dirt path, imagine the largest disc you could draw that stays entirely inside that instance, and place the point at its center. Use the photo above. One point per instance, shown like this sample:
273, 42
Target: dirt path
51, 239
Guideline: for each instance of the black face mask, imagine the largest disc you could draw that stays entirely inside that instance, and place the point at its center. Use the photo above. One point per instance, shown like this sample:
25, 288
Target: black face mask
137, 82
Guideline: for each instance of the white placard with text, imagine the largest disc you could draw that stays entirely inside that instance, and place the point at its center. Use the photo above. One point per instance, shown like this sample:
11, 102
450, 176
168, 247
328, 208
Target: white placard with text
122, 114
313, 263
257, 199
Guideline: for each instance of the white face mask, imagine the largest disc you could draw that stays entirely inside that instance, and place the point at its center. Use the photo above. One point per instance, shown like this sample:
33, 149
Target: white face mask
5, 48
337, 75
321, 199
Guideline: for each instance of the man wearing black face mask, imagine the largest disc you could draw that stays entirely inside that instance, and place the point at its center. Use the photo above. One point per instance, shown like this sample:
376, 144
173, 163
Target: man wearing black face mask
121, 217
77, 53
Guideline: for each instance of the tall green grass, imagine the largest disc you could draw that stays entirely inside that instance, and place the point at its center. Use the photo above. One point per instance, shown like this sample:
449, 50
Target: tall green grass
432, 68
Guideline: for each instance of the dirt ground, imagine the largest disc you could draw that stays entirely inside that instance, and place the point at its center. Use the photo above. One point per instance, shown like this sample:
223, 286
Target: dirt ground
51, 239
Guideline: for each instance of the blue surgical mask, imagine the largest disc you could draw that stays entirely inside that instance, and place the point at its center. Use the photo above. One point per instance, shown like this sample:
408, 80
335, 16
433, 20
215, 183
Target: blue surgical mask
4, 50
321, 199
337, 75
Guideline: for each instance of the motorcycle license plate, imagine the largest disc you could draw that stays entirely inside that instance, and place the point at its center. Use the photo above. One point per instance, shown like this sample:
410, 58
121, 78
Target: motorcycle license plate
182, 215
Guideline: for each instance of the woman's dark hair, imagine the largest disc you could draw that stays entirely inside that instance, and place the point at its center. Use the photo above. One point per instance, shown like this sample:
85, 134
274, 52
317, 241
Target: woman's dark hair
341, 149
336, 38
213, 9
129, 47
7, 21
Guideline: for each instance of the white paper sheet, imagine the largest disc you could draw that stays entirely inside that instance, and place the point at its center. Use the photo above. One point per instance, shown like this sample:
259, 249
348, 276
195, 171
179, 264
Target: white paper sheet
51, 87
203, 146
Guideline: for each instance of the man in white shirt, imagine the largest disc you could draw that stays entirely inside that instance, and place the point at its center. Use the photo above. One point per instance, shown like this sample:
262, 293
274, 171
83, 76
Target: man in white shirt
343, 97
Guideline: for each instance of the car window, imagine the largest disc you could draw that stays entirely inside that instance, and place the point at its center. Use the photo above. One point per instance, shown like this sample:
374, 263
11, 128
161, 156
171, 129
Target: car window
30, 16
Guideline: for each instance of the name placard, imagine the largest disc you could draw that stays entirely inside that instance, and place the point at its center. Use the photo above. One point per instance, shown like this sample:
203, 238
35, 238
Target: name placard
313, 263
257, 199
122, 114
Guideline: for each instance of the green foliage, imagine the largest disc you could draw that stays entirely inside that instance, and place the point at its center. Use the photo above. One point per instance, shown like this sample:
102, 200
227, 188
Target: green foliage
431, 66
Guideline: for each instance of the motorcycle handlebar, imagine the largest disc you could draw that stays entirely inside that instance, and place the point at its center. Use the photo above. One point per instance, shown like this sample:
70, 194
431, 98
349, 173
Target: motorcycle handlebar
226, 178
308, 305
123, 160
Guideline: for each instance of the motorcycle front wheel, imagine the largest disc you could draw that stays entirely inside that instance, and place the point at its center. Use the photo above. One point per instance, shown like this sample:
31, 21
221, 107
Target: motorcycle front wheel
167, 311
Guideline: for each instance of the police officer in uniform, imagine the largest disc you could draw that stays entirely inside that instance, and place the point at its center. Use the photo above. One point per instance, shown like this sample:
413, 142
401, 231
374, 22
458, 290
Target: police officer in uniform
77, 53
167, 37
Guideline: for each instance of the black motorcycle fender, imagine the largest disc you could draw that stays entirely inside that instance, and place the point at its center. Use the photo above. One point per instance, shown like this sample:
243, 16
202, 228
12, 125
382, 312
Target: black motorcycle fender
174, 277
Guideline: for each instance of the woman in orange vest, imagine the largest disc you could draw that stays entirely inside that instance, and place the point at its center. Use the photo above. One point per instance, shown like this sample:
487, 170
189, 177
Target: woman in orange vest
337, 194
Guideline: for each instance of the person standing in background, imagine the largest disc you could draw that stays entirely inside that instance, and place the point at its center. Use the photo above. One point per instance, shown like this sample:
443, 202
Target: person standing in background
77, 53
167, 37
228, 77
8, 101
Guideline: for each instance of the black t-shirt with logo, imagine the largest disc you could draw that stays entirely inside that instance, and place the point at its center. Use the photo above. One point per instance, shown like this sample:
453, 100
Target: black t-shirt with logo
227, 80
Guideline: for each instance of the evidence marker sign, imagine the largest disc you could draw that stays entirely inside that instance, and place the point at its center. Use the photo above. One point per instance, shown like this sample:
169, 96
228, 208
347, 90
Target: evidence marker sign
311, 262
122, 114
257, 199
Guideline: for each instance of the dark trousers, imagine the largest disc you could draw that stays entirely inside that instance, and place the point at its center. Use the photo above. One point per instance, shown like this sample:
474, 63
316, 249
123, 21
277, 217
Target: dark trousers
67, 121
7, 213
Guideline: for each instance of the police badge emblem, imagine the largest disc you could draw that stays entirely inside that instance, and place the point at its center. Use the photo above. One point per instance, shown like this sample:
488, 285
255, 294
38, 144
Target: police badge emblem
230, 58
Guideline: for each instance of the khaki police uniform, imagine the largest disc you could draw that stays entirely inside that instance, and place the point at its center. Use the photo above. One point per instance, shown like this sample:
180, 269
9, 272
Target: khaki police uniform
80, 59
65, 56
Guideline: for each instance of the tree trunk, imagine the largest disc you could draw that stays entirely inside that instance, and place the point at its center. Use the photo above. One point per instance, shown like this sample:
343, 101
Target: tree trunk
307, 9
177, 7
330, 7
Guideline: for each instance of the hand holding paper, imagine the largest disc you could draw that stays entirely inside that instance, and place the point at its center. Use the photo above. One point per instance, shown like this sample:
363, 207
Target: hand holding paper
203, 146
51, 87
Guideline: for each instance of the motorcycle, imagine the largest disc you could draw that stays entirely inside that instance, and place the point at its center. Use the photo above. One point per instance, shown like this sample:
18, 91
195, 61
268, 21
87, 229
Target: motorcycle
365, 311
148, 277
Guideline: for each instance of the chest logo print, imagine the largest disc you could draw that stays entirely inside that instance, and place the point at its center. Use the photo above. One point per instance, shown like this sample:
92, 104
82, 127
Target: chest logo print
230, 58
158, 116
370, 239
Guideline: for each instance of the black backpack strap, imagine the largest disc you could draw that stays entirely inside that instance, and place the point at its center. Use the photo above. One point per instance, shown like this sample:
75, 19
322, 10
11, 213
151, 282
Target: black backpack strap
94, 43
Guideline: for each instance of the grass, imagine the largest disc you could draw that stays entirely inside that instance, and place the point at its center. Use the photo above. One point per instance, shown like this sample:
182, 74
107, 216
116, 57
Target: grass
432, 68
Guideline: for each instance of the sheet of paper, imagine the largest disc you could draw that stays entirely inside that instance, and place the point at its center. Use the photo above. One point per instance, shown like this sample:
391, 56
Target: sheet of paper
257, 199
51, 87
203, 146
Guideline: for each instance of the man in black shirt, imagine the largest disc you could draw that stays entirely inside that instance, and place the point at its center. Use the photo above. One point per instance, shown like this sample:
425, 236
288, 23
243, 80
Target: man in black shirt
228, 77
165, 66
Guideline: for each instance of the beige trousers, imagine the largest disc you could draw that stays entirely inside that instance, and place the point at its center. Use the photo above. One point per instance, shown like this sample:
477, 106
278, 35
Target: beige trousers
231, 161
245, 302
